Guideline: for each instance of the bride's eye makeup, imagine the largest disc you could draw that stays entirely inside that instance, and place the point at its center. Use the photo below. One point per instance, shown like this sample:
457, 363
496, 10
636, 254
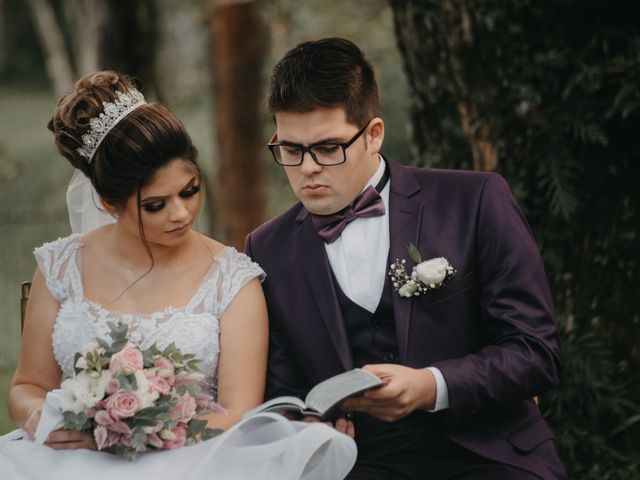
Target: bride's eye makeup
156, 204
190, 191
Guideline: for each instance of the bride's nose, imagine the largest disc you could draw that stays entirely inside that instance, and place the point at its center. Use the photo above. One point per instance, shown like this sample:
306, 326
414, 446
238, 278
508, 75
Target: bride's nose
178, 211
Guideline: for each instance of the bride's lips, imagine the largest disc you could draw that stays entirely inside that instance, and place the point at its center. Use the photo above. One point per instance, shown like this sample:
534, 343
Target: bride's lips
180, 230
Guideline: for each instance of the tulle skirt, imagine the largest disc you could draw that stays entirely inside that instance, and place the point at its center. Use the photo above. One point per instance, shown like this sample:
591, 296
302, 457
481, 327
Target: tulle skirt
263, 447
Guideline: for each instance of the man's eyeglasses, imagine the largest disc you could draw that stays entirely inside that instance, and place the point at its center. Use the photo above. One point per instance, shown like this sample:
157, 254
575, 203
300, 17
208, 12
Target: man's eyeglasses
325, 154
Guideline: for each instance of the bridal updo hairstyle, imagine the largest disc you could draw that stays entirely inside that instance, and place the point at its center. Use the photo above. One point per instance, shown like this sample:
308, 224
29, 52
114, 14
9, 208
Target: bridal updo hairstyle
141, 143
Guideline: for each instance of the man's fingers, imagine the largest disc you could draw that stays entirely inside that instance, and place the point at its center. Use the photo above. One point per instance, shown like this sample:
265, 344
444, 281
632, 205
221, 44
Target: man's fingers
345, 426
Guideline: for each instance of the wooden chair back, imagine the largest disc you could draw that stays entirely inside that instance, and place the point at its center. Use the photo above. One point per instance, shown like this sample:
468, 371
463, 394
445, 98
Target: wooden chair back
25, 289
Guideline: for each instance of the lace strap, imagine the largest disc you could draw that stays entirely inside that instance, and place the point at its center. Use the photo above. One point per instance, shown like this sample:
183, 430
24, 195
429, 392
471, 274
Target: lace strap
231, 272
57, 263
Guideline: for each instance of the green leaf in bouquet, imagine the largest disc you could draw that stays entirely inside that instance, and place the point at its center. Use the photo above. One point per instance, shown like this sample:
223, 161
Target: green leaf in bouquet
127, 381
210, 433
153, 412
147, 358
196, 427
181, 389
155, 350
169, 350
118, 333
122, 451
414, 253
75, 421
193, 389
75, 361
103, 344
138, 439
192, 365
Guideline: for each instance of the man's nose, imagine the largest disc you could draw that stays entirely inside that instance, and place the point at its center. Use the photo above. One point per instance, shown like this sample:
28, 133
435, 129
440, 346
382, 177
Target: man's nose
309, 165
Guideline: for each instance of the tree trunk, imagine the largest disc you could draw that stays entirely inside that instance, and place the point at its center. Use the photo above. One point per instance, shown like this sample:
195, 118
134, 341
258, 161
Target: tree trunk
3, 36
57, 59
238, 47
436, 39
86, 18
127, 40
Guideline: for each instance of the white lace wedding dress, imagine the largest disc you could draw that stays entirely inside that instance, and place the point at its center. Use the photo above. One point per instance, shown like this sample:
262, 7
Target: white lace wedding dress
265, 446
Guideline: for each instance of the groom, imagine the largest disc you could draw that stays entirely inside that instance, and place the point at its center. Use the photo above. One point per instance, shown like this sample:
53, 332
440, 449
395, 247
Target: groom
461, 362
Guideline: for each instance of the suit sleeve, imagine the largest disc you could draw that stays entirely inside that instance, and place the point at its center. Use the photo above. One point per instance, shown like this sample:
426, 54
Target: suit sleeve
521, 358
283, 376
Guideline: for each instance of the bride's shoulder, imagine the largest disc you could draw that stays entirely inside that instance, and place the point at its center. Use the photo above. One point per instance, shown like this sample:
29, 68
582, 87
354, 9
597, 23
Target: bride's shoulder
59, 246
229, 259
213, 246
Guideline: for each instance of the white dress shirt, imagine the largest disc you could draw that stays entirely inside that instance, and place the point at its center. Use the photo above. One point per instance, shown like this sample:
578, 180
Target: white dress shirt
358, 258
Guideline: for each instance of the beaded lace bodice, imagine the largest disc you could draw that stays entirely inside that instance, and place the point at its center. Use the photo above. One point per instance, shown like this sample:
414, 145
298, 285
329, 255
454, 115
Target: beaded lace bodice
194, 328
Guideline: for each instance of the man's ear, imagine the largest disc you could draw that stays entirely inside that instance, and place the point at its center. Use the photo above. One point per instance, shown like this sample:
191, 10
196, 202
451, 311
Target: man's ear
109, 208
376, 134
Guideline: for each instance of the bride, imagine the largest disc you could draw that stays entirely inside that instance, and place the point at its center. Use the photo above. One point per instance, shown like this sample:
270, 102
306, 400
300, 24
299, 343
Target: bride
147, 268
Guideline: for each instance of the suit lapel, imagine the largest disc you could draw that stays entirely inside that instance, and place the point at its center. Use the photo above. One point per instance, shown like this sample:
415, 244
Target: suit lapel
317, 272
405, 218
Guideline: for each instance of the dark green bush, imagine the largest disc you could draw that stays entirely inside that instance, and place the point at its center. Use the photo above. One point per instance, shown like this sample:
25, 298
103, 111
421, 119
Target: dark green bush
548, 94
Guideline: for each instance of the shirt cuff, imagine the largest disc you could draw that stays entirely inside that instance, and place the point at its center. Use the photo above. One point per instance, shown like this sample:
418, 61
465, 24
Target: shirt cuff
442, 393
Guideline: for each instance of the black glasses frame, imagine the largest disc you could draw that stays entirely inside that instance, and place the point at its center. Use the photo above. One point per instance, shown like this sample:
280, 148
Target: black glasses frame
303, 149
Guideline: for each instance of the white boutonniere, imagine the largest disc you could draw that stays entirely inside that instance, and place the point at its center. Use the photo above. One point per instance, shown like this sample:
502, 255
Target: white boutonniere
425, 276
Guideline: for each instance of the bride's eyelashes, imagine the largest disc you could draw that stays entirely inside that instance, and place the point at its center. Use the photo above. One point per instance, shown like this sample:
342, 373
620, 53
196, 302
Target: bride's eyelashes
157, 205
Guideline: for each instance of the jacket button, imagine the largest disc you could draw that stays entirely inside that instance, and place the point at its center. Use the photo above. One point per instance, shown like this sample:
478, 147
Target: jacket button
388, 357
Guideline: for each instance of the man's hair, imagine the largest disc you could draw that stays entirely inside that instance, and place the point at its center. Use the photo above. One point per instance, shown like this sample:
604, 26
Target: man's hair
327, 73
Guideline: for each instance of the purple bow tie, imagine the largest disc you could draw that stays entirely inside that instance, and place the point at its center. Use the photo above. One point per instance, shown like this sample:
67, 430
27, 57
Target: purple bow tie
368, 204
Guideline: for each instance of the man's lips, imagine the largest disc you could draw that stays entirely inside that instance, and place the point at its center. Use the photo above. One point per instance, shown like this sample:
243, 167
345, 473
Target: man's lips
314, 186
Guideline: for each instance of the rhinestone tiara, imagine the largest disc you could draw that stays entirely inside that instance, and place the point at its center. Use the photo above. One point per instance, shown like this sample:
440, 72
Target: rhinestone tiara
101, 125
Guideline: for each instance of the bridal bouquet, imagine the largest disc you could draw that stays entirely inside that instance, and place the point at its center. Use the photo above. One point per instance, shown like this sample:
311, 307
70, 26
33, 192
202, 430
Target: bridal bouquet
134, 400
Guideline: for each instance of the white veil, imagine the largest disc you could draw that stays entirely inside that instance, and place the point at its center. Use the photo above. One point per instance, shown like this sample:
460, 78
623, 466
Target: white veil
83, 203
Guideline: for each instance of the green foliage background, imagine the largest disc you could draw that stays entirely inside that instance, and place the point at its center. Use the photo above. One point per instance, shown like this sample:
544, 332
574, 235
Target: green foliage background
558, 85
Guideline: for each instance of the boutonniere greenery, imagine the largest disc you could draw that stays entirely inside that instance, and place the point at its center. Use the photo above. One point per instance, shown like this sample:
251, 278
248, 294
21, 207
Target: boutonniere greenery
425, 276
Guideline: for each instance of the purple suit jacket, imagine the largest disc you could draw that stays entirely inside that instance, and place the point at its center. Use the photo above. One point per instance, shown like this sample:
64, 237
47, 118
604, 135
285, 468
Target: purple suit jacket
490, 330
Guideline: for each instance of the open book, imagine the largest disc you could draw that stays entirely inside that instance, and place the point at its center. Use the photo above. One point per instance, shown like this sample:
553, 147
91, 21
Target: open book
324, 397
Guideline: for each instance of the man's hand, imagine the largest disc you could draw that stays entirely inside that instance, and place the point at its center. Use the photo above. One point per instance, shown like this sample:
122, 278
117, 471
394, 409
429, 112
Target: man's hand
342, 425
405, 390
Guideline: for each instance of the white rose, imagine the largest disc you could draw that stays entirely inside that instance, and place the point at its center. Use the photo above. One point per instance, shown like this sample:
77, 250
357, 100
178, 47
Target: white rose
92, 347
145, 392
83, 391
408, 289
432, 272
69, 402
81, 363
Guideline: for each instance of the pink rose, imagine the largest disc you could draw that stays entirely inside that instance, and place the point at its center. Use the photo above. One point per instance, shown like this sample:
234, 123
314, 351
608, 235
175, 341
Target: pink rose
165, 369
185, 409
122, 405
90, 412
113, 386
156, 383
103, 418
180, 434
100, 435
128, 359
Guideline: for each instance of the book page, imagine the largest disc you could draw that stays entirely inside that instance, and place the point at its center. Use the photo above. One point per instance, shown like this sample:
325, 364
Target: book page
326, 395
278, 405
